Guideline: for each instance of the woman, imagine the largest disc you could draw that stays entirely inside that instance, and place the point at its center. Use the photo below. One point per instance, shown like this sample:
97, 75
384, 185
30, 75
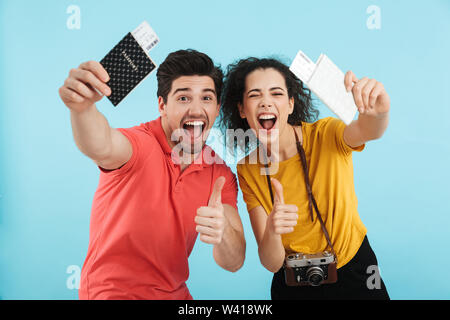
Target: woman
264, 96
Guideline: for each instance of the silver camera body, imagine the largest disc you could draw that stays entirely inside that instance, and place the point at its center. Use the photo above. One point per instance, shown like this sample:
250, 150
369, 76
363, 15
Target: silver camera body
310, 269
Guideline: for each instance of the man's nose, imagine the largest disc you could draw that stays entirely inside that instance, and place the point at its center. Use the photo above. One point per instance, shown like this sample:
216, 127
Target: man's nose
196, 110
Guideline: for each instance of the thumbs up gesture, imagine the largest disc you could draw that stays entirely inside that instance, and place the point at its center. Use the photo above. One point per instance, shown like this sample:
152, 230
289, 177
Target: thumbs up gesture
211, 220
283, 217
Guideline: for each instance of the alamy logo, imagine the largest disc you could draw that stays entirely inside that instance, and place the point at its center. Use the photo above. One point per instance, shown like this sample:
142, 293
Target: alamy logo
74, 20
374, 20
374, 280
186, 146
73, 281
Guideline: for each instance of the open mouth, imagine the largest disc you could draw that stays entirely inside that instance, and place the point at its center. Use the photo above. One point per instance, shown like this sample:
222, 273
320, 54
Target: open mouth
194, 128
267, 121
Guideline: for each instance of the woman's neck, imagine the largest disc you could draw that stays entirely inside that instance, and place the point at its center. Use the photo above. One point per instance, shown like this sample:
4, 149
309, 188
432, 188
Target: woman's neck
287, 147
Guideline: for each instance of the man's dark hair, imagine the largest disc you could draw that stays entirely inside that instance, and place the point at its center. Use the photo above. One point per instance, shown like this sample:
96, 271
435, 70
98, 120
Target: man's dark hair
187, 63
233, 94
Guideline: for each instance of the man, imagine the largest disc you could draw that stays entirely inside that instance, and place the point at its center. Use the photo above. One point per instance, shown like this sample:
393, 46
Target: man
151, 202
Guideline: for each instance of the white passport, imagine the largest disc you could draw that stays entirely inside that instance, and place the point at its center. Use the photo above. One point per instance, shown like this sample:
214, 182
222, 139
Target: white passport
326, 81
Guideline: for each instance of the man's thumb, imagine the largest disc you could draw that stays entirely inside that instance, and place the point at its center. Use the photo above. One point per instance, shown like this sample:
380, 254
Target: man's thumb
278, 196
216, 195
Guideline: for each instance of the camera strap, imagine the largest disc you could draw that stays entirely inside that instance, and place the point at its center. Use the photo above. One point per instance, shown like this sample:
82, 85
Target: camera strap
311, 200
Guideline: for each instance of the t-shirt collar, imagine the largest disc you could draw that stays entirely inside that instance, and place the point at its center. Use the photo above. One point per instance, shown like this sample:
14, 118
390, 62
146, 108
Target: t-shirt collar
160, 135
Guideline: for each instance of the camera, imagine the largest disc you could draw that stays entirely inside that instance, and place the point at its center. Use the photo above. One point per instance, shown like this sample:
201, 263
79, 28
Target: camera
310, 269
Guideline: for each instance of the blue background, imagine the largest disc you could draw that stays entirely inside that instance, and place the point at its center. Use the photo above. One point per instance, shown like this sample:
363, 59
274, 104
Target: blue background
47, 185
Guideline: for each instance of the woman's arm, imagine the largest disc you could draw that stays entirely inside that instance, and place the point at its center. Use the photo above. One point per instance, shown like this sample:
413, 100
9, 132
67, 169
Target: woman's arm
270, 248
268, 229
373, 104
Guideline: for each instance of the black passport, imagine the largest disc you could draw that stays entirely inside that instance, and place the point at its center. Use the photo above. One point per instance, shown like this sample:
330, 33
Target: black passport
127, 65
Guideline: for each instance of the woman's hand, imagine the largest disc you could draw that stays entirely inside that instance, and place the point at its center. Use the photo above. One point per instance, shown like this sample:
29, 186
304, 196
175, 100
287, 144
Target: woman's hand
373, 104
370, 96
283, 217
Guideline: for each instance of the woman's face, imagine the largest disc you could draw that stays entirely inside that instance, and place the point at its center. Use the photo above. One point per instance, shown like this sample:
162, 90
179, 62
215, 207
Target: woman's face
266, 104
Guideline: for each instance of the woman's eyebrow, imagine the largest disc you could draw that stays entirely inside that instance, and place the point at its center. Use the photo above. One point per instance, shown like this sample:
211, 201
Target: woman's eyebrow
256, 90
259, 90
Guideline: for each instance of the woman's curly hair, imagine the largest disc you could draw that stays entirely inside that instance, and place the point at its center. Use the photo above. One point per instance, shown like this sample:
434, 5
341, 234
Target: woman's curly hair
234, 86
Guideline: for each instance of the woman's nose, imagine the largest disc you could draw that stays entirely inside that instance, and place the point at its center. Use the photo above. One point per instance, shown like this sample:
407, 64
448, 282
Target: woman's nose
265, 103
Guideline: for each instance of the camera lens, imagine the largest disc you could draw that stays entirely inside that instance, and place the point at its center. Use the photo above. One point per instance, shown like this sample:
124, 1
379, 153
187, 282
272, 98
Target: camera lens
314, 276
315, 279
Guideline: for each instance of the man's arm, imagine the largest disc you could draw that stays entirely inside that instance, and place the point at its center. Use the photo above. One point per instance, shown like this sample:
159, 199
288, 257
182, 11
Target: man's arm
106, 146
220, 225
373, 104
230, 252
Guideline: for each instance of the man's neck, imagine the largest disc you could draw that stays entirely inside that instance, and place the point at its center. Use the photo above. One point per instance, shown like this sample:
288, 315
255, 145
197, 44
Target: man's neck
186, 160
167, 133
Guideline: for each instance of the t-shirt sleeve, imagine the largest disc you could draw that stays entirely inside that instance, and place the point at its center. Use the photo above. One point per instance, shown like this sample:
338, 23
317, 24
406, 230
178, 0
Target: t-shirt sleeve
138, 137
334, 134
249, 196
230, 188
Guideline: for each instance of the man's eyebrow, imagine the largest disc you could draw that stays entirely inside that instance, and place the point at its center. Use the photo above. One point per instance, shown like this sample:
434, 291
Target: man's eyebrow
209, 90
181, 90
189, 89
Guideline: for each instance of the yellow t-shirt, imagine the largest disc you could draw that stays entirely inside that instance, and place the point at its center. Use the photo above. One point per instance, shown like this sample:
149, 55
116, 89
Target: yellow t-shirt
330, 166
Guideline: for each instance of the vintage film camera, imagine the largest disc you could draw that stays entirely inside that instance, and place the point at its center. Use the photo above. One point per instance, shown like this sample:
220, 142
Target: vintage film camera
310, 269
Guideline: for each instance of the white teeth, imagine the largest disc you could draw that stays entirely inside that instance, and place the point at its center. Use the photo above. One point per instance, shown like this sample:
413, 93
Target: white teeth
266, 116
194, 123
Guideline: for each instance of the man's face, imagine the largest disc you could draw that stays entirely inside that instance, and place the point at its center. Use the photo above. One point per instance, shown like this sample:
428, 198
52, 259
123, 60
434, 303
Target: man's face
189, 112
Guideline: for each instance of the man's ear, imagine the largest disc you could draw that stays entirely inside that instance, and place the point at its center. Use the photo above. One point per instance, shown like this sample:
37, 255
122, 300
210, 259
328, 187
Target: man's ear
241, 110
161, 106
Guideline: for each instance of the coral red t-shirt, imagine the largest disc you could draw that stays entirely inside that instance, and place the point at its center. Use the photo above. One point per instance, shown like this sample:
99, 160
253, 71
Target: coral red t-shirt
142, 227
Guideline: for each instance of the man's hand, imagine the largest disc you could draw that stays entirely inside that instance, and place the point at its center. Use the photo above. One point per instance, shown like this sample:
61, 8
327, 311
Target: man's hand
85, 86
370, 96
106, 146
210, 220
283, 217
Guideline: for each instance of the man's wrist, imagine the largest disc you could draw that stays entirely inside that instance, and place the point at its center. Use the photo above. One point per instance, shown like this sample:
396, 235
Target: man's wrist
85, 111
